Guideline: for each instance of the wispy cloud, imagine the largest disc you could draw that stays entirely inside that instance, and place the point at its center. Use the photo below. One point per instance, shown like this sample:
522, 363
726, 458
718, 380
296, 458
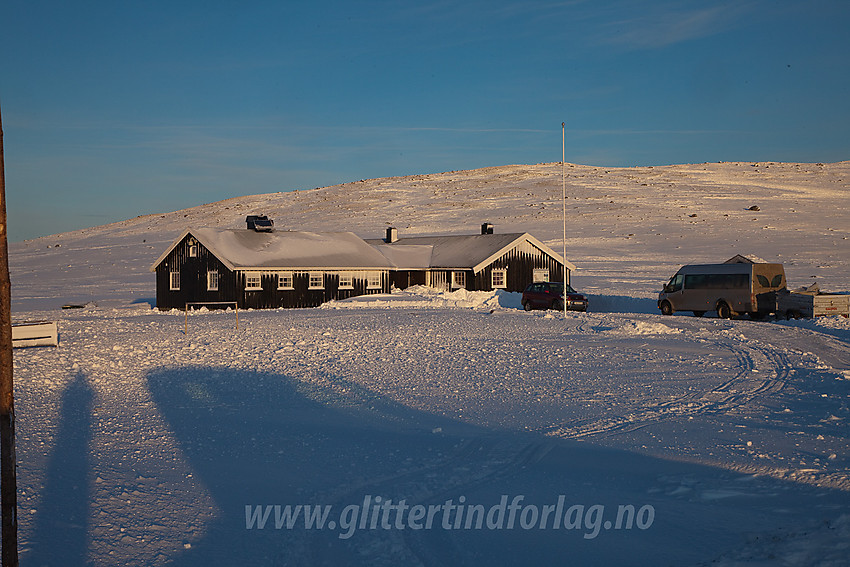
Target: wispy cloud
625, 132
669, 24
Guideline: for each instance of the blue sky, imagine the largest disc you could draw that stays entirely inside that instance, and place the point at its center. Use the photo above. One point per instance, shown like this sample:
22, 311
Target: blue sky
116, 109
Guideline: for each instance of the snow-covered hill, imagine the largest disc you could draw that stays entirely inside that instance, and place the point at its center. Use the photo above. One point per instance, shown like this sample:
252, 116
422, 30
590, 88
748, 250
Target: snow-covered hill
613, 437
628, 229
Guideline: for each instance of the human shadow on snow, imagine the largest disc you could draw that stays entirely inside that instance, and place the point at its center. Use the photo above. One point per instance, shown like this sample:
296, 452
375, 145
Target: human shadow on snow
62, 521
264, 439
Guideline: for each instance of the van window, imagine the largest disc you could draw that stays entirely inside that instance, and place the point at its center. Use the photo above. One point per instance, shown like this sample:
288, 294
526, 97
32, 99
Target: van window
717, 281
675, 284
775, 281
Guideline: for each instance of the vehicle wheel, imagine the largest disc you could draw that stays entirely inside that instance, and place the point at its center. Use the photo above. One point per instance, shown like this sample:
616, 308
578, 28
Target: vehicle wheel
666, 308
792, 314
558, 305
527, 306
724, 311
699, 313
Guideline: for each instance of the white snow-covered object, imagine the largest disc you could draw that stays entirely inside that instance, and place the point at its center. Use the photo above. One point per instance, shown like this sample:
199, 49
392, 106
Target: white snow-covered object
36, 333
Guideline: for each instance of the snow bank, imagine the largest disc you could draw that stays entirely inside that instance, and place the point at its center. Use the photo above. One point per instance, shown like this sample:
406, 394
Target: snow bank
427, 297
642, 328
836, 326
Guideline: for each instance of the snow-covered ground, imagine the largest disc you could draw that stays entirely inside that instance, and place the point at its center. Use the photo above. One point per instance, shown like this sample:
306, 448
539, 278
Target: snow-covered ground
150, 438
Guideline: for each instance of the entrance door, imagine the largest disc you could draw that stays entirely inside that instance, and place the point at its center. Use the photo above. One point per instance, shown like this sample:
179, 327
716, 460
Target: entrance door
438, 280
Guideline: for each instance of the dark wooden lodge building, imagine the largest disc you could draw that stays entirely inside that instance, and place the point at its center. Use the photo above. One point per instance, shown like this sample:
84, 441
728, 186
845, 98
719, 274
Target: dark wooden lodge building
477, 262
259, 267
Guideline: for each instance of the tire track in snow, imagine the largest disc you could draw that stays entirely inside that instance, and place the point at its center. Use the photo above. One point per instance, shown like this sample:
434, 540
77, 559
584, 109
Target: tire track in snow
744, 387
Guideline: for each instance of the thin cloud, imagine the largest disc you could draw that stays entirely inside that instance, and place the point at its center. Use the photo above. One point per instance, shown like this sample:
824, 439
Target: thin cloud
663, 27
652, 132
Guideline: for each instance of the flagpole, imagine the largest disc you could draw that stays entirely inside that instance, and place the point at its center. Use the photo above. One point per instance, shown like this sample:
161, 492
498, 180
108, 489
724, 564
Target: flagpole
564, 201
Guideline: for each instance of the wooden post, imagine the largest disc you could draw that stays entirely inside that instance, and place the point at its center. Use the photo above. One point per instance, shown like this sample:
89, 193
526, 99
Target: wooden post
8, 474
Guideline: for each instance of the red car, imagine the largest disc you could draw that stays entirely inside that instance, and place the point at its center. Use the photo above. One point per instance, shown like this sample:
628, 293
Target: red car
550, 295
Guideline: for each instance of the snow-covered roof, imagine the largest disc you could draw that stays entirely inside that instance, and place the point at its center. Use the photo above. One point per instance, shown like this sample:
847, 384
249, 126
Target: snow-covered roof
745, 259
411, 257
467, 251
241, 249
247, 249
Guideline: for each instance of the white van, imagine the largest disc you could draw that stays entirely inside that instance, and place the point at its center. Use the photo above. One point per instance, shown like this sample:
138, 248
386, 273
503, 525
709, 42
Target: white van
729, 289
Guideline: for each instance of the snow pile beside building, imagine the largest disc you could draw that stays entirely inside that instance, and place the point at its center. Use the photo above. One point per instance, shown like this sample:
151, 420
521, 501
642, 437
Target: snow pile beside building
429, 298
632, 327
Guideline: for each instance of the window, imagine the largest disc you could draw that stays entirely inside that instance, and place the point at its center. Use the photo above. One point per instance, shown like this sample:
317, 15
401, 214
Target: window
253, 281
764, 282
346, 281
285, 281
317, 280
458, 279
498, 278
541, 275
373, 280
675, 284
717, 281
212, 280
174, 282
193, 250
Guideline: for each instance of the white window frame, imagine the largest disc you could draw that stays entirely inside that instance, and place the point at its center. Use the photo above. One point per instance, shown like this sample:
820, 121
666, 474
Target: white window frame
212, 280
346, 280
373, 280
256, 276
174, 281
314, 278
193, 250
500, 273
458, 280
540, 275
285, 280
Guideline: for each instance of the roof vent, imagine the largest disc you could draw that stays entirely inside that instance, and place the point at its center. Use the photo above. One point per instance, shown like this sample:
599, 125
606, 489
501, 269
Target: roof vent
486, 228
260, 223
392, 234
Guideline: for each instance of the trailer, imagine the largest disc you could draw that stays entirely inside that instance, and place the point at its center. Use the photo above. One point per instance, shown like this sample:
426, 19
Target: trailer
811, 302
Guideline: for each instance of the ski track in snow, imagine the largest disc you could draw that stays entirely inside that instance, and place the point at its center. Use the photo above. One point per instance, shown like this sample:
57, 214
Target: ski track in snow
140, 443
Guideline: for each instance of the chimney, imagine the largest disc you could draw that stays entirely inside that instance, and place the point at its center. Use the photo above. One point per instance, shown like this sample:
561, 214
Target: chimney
486, 228
392, 234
